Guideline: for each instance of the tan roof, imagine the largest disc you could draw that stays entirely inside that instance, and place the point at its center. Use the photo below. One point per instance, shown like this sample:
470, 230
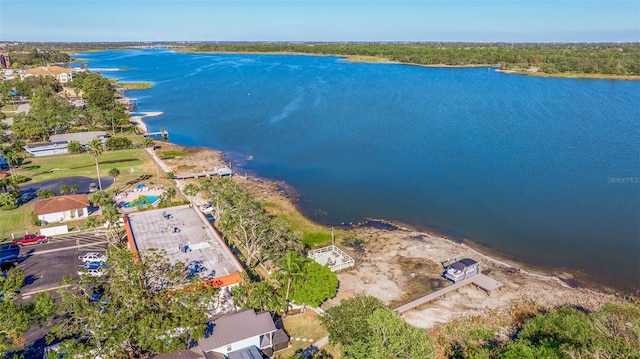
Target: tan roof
48, 70
60, 203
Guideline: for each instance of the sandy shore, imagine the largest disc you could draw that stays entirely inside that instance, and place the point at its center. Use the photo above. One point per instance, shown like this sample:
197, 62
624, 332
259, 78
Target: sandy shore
139, 120
401, 265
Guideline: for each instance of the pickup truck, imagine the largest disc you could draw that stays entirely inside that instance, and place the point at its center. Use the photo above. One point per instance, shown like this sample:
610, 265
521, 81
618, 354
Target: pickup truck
30, 239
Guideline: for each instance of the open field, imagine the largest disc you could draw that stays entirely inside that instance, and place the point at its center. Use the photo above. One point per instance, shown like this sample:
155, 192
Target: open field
134, 165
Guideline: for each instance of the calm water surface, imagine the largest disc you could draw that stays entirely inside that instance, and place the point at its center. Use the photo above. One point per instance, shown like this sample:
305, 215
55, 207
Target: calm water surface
545, 171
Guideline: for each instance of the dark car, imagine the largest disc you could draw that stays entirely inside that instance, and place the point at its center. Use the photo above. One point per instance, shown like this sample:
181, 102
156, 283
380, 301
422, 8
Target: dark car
30, 239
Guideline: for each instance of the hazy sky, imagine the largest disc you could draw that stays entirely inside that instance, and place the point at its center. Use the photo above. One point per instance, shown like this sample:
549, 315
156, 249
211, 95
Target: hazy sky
321, 20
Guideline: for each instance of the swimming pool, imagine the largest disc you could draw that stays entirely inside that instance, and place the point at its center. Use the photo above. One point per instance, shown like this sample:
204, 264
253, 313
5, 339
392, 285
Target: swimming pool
152, 200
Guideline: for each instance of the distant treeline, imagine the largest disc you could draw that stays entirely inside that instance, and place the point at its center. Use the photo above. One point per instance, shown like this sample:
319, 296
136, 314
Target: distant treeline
608, 59
621, 59
36, 57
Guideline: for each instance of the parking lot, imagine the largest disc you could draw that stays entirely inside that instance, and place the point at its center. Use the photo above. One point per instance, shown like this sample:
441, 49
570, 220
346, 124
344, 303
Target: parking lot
45, 265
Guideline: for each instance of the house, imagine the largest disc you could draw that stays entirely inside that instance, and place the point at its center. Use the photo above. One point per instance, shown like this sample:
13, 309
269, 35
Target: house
47, 148
62, 208
82, 137
242, 335
62, 74
462, 269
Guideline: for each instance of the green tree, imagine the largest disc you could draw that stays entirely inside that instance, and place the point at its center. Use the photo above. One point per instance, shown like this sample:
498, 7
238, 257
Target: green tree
74, 147
112, 216
95, 149
100, 198
147, 307
74, 188
191, 190
7, 199
390, 337
114, 172
316, 284
64, 189
46, 193
291, 266
347, 323
260, 295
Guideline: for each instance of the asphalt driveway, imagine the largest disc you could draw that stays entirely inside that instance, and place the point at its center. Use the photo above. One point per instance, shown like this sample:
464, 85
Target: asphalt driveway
81, 182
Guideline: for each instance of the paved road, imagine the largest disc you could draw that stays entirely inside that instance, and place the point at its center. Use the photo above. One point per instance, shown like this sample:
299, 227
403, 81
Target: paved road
81, 182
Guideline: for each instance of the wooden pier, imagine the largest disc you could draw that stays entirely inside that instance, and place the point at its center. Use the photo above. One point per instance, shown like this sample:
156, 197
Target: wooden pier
218, 171
161, 135
480, 280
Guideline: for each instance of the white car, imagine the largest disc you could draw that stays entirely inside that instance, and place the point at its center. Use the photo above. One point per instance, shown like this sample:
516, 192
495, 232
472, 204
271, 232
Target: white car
93, 257
92, 272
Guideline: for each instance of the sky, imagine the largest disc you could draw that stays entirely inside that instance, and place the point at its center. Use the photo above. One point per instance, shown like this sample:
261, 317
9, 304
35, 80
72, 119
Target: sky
321, 20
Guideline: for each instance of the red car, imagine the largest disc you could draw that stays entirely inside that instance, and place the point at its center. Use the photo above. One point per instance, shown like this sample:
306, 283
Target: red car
30, 239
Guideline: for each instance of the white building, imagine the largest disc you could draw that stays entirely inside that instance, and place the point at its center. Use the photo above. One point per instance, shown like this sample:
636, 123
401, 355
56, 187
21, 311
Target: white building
62, 208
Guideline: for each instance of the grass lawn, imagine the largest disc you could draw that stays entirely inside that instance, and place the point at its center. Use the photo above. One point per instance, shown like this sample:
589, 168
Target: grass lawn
313, 234
40, 169
16, 221
306, 325
82, 164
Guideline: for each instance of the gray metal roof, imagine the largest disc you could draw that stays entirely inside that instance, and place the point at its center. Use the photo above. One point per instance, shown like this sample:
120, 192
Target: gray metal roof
181, 354
236, 327
463, 263
82, 137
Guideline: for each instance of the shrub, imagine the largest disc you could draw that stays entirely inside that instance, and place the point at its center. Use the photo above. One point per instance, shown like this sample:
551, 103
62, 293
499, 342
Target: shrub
118, 143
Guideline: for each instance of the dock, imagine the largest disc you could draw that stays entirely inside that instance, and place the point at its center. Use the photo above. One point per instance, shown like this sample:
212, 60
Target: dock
162, 135
222, 171
481, 281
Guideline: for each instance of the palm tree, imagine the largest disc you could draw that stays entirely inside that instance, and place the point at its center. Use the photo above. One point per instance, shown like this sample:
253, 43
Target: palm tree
96, 148
191, 190
64, 189
114, 172
291, 267
74, 188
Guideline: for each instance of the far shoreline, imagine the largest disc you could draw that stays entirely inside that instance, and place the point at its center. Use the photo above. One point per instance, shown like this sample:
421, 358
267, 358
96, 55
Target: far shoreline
382, 60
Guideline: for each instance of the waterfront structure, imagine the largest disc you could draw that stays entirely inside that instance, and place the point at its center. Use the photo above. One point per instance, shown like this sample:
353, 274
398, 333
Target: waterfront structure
62, 74
183, 234
333, 257
62, 208
47, 148
462, 269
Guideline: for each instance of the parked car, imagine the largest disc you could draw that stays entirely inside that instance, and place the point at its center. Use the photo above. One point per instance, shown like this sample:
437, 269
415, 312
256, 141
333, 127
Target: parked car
93, 187
30, 239
94, 265
91, 272
26, 197
93, 257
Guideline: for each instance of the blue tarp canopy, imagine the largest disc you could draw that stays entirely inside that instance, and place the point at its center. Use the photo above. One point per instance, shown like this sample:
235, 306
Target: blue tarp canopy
141, 185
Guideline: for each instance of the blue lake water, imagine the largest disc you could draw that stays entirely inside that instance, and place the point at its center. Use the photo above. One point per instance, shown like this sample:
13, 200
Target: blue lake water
545, 171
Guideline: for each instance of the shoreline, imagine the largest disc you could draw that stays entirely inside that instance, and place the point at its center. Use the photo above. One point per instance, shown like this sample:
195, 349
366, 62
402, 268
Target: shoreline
138, 121
382, 60
567, 277
401, 264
